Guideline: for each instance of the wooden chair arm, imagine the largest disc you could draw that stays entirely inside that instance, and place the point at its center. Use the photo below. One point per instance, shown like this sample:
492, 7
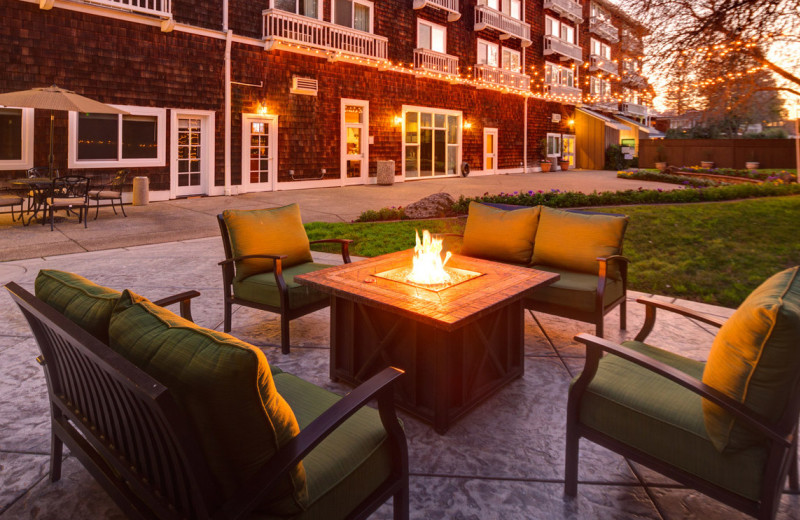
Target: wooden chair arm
595, 347
247, 257
253, 493
184, 298
345, 243
650, 315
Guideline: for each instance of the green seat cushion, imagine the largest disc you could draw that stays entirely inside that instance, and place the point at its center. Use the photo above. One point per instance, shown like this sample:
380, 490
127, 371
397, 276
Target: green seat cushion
496, 234
262, 288
573, 241
349, 464
661, 418
276, 231
755, 359
226, 387
575, 290
83, 302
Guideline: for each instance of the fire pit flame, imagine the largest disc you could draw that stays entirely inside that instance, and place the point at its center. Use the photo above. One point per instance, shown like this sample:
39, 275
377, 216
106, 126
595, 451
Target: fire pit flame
428, 266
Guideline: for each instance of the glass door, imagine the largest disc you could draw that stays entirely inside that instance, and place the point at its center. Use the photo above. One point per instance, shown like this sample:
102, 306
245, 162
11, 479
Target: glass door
432, 143
190, 156
355, 141
490, 150
259, 154
568, 149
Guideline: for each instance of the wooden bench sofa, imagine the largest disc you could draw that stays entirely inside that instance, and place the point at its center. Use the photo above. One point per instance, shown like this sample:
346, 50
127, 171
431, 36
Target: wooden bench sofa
584, 248
176, 421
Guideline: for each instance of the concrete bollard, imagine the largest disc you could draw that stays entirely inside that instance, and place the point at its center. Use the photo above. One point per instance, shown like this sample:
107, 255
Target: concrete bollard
141, 191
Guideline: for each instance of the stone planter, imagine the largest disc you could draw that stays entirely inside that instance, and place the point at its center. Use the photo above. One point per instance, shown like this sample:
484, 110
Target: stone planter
751, 165
661, 166
385, 173
707, 164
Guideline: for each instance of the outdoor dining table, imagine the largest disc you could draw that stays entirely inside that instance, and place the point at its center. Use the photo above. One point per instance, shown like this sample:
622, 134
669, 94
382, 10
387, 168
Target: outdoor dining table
38, 188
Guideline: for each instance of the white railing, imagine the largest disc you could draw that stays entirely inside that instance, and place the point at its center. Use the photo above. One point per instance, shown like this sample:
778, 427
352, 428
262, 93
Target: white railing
603, 29
553, 45
558, 90
485, 17
285, 27
159, 8
634, 109
604, 64
432, 61
568, 8
451, 6
502, 77
605, 103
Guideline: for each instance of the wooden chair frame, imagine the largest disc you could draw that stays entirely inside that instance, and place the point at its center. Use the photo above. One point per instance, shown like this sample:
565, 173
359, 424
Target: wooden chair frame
129, 432
781, 436
284, 310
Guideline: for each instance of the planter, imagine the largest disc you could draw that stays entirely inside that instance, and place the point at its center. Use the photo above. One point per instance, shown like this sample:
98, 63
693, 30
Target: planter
661, 166
707, 164
751, 165
564, 165
546, 165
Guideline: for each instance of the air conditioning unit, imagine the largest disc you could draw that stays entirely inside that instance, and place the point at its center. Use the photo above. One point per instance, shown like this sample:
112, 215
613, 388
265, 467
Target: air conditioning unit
304, 86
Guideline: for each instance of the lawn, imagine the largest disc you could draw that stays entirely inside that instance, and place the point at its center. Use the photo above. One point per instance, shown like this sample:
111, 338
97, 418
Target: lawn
709, 252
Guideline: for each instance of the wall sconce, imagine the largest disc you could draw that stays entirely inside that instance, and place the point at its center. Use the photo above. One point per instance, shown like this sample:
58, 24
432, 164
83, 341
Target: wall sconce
261, 109
571, 122
398, 120
466, 125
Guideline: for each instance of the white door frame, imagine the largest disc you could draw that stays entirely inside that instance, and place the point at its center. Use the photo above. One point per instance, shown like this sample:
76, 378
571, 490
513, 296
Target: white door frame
207, 130
571, 157
364, 155
486, 133
272, 121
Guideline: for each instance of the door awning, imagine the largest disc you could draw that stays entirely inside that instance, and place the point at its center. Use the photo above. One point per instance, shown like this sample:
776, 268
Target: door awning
607, 120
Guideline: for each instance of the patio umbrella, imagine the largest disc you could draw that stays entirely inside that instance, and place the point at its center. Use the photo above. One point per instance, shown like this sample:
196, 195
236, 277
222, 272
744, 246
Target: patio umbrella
55, 98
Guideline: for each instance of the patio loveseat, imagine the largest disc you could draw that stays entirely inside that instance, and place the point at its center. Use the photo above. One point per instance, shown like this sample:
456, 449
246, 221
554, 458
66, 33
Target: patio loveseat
178, 421
584, 248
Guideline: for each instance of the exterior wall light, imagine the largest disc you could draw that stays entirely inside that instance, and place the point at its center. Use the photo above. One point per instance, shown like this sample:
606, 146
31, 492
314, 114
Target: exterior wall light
398, 120
261, 109
466, 125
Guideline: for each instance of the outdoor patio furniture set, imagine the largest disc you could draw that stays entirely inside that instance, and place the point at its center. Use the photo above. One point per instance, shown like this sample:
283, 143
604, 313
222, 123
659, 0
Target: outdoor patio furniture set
233, 434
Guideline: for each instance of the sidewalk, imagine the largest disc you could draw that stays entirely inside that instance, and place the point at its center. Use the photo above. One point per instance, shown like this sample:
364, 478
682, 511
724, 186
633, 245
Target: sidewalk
184, 219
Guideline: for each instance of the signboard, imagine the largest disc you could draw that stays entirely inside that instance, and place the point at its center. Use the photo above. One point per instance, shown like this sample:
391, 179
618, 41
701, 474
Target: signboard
556, 118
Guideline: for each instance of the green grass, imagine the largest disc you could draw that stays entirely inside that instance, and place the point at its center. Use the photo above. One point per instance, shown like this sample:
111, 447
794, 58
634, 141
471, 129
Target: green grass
710, 252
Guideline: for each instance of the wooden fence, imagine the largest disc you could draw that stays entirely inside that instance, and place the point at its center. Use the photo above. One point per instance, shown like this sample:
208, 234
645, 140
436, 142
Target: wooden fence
726, 153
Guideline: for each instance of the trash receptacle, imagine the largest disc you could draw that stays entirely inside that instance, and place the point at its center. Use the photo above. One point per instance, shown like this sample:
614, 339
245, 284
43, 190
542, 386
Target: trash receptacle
385, 172
141, 191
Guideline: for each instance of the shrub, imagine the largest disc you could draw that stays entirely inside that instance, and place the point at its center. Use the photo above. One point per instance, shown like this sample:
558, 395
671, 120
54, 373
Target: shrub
615, 159
655, 175
383, 214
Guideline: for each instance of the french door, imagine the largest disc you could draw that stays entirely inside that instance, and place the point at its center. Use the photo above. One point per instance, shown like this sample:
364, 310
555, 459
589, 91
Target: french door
568, 149
259, 152
490, 150
192, 148
355, 142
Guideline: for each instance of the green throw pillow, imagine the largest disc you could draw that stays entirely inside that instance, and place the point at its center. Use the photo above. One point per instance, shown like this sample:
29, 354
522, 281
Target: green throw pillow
755, 359
276, 231
226, 388
496, 234
574, 241
83, 302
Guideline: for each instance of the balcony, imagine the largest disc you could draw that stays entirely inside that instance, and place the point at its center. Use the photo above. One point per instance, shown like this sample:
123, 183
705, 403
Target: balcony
633, 80
562, 91
486, 17
604, 64
160, 8
502, 77
633, 109
284, 30
569, 9
451, 6
631, 45
603, 29
606, 103
564, 50
426, 60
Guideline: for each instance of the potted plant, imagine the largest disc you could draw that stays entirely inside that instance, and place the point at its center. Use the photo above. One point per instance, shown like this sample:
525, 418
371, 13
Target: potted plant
707, 163
753, 163
563, 164
661, 158
545, 163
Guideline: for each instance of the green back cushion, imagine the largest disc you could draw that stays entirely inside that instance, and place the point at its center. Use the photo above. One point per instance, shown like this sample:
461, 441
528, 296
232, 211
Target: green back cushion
85, 303
276, 231
226, 387
574, 241
755, 359
496, 234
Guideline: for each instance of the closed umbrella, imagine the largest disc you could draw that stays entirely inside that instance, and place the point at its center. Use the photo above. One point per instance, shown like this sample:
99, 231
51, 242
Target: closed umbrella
55, 98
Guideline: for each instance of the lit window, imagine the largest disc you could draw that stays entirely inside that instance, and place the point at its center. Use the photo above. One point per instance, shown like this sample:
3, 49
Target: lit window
488, 53
552, 27
511, 60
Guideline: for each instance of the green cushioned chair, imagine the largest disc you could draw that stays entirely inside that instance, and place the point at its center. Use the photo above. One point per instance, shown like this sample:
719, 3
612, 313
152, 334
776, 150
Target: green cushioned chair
673, 415
264, 251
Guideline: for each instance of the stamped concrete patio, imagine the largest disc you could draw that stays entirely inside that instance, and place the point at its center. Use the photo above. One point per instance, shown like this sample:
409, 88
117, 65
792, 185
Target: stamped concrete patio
502, 461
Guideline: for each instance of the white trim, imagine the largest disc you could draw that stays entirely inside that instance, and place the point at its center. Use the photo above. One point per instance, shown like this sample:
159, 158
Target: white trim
208, 127
493, 132
26, 158
161, 144
343, 155
272, 120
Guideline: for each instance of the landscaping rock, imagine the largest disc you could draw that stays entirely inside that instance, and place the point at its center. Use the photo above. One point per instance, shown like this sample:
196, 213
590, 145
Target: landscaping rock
432, 206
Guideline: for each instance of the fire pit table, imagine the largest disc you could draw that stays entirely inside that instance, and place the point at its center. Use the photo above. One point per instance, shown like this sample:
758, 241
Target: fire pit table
457, 343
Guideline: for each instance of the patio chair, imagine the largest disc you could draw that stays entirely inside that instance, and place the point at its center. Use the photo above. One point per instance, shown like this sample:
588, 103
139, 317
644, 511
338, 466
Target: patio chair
68, 193
264, 251
9, 198
112, 191
726, 427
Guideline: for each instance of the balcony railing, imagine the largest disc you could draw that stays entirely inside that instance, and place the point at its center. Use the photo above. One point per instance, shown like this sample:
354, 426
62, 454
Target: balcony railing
558, 90
604, 64
451, 6
485, 17
284, 27
631, 45
160, 8
634, 109
502, 77
604, 103
567, 8
432, 61
567, 50
603, 29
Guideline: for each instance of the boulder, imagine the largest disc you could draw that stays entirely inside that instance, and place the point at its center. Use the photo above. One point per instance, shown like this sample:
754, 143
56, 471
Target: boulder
432, 206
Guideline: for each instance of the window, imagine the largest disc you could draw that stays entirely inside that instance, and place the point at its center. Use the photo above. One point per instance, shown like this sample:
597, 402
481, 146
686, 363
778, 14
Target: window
554, 145
431, 36
599, 87
598, 12
432, 143
310, 8
552, 27
556, 75
356, 14
115, 140
601, 49
488, 53
630, 95
16, 138
512, 8
511, 60
568, 33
